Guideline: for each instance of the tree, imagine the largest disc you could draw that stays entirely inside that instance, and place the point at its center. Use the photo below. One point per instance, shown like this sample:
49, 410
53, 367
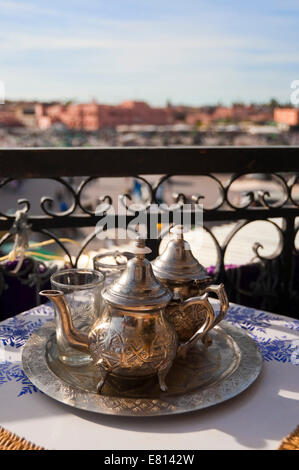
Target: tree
273, 103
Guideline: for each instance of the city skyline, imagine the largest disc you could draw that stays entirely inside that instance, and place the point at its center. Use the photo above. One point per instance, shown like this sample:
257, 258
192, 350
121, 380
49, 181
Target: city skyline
189, 53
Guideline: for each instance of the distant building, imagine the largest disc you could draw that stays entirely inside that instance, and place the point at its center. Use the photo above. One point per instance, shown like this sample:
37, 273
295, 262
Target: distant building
9, 120
237, 113
94, 116
16, 114
198, 118
25, 113
222, 112
287, 116
8, 116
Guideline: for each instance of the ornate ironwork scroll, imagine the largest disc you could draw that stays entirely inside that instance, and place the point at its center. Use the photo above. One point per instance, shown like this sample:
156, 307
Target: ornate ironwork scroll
254, 184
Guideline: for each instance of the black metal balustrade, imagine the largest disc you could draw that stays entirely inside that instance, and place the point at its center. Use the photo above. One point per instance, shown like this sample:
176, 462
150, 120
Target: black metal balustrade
271, 284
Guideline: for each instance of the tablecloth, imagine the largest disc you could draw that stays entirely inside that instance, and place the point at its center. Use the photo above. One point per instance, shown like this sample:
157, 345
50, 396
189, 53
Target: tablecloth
256, 419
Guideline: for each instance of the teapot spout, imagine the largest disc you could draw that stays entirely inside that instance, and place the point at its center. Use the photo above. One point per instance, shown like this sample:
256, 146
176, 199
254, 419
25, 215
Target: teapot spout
76, 338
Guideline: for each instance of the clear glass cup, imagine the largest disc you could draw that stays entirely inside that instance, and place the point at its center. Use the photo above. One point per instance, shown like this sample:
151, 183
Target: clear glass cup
111, 264
82, 289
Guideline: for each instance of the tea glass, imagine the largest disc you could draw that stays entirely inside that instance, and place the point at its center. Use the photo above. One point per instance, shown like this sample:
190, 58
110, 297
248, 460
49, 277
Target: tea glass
111, 264
82, 289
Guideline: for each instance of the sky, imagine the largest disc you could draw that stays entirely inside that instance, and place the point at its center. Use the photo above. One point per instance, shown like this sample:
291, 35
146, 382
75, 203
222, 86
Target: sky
190, 52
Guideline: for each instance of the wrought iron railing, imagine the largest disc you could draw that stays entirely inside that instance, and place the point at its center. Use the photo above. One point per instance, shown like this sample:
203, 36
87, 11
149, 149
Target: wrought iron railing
270, 284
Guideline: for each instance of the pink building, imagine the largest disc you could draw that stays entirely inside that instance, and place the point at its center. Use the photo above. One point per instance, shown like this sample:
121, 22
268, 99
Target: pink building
236, 113
9, 119
289, 116
93, 116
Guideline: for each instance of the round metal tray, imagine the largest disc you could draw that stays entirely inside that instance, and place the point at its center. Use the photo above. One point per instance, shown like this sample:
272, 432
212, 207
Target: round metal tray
205, 378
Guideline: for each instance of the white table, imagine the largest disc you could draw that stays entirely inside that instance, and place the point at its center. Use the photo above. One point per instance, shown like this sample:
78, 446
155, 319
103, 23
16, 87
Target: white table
257, 419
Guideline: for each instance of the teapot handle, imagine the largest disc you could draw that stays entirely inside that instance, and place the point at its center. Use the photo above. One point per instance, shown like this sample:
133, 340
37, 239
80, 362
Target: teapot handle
207, 325
219, 290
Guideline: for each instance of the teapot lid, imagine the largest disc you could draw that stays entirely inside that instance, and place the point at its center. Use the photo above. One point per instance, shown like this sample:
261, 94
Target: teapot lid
177, 262
137, 288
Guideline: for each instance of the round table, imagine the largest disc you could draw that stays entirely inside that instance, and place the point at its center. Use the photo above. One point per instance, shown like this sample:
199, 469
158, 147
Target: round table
256, 419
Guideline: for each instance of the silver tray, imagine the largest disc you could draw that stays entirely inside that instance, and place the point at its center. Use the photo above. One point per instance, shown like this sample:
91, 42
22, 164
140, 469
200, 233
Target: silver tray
207, 377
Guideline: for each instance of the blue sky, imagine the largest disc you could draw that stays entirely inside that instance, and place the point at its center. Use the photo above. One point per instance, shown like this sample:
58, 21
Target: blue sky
191, 51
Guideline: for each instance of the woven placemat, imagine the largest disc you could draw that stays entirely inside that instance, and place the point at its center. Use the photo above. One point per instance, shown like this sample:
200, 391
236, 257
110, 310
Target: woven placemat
10, 441
291, 442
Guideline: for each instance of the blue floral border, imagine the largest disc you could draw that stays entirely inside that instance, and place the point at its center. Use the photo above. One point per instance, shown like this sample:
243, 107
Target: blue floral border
13, 372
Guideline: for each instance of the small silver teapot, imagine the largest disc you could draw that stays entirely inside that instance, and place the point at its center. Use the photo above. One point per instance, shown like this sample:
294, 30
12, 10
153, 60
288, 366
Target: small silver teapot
132, 338
180, 271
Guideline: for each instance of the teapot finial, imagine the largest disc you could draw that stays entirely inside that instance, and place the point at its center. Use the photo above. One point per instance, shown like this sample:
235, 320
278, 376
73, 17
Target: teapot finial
140, 248
140, 242
178, 231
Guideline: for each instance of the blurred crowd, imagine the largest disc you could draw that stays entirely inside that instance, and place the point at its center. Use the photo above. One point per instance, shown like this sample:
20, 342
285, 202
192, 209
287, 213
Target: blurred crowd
61, 137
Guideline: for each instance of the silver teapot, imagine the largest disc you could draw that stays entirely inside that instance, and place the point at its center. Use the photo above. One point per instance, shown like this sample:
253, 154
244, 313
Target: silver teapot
180, 271
133, 337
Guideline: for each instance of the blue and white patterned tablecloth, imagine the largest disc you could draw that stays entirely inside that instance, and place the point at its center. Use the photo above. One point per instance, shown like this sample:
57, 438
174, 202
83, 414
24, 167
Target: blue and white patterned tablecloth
277, 337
